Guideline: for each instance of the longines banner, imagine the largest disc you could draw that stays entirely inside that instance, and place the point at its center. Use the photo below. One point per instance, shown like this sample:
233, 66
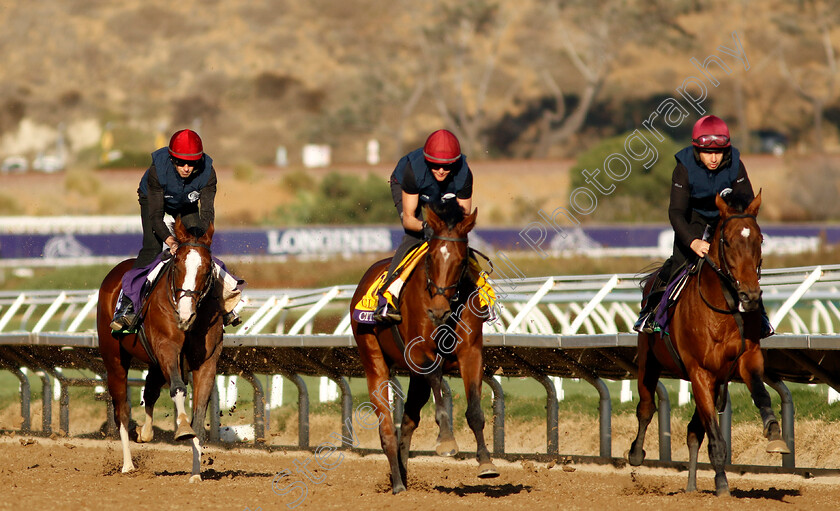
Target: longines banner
613, 240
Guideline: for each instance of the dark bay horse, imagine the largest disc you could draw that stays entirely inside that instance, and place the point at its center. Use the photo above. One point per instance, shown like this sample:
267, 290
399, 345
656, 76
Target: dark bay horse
706, 335
184, 333
436, 336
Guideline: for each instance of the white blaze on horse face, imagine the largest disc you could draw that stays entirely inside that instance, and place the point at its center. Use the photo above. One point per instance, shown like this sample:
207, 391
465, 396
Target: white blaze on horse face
193, 264
745, 232
445, 252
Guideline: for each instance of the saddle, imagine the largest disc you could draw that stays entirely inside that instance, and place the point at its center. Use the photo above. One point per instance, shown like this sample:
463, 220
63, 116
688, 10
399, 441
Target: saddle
363, 312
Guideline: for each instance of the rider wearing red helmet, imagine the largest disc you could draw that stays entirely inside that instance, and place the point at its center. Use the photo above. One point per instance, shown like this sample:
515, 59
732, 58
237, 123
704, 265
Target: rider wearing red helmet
436, 172
181, 181
710, 166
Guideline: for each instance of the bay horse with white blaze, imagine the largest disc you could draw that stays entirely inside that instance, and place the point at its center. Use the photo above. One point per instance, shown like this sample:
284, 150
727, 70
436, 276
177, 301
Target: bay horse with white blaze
715, 329
444, 333
184, 332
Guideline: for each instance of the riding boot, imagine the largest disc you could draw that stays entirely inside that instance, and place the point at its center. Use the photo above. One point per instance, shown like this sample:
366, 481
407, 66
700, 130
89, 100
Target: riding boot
124, 316
231, 319
647, 316
388, 310
766, 327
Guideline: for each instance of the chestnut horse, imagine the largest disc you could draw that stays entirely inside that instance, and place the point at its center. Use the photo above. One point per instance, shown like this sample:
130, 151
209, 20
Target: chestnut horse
715, 329
444, 330
184, 333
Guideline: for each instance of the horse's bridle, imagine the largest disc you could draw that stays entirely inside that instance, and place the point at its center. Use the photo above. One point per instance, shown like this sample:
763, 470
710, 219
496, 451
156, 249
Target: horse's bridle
723, 272
433, 288
176, 293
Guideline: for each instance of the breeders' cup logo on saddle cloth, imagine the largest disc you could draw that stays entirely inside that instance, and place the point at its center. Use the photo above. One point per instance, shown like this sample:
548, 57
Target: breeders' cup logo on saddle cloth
65, 246
193, 196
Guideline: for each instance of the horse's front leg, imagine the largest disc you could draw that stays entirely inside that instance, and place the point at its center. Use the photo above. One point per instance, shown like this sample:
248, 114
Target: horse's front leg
705, 388
694, 439
751, 368
378, 377
471, 362
648, 378
446, 444
151, 393
418, 395
203, 380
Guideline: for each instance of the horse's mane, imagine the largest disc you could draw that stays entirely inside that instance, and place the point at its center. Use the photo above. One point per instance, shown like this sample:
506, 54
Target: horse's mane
195, 232
449, 211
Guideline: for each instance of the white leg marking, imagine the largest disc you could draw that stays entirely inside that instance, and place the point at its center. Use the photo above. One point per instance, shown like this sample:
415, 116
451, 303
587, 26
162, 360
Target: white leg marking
128, 466
179, 399
196, 466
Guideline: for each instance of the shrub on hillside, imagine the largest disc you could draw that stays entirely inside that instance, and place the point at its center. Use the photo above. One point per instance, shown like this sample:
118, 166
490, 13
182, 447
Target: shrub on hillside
341, 199
642, 196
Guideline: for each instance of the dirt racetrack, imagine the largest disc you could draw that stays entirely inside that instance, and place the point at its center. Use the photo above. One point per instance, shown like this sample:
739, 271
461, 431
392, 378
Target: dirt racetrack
82, 474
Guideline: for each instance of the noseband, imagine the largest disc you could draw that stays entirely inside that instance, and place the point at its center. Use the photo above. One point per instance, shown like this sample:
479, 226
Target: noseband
176, 293
433, 288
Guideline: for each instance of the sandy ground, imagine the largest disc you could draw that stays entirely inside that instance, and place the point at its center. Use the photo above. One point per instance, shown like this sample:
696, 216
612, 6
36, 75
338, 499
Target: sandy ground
82, 471
77, 474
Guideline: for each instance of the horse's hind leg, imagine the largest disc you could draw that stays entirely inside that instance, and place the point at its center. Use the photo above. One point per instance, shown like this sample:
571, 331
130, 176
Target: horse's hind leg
694, 439
446, 444
117, 369
649, 371
151, 393
471, 362
752, 368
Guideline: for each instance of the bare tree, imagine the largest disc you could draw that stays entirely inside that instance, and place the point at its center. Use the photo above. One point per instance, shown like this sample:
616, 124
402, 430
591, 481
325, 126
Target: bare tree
591, 36
807, 25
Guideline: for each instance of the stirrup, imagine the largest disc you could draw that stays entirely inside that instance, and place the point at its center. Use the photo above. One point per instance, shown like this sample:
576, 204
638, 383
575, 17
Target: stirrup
231, 319
386, 313
645, 323
124, 317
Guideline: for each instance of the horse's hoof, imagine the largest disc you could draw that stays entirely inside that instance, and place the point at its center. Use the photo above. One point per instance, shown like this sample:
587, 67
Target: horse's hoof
635, 461
399, 488
184, 431
487, 471
127, 468
141, 438
778, 447
722, 492
447, 448
195, 479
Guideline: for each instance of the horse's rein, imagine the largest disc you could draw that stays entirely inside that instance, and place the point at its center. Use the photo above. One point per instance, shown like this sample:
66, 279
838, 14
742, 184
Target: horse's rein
176, 294
433, 288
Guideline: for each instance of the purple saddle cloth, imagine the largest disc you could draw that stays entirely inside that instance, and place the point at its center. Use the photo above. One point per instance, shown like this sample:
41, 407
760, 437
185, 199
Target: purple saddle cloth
134, 280
669, 297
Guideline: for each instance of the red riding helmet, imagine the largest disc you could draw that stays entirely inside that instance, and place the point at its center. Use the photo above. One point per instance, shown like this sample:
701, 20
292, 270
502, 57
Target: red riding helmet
442, 147
710, 132
186, 145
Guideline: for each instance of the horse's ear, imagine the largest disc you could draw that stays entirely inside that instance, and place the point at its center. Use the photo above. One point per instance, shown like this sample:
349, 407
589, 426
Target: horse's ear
207, 237
468, 223
722, 206
180, 230
433, 220
752, 209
